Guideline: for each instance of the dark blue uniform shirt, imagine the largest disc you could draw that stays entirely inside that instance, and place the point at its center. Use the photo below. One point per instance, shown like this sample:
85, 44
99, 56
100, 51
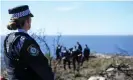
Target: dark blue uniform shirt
24, 59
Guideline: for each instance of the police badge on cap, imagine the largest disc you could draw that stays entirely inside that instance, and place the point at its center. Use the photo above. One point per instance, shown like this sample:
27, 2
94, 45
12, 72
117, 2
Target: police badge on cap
20, 11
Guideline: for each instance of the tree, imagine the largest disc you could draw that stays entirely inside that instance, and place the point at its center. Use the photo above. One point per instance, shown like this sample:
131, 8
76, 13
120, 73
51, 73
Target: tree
55, 43
119, 57
42, 38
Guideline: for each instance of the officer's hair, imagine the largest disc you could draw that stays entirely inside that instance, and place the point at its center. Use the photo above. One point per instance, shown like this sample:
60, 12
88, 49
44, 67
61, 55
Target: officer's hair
17, 23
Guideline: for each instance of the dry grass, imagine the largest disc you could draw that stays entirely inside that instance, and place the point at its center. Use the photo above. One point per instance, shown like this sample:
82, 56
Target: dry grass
92, 67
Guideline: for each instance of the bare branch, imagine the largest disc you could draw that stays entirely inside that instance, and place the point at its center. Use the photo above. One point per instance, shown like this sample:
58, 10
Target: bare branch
123, 52
58, 38
42, 38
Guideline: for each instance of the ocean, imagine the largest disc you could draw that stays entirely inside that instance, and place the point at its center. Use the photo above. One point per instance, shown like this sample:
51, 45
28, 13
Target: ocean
99, 44
107, 44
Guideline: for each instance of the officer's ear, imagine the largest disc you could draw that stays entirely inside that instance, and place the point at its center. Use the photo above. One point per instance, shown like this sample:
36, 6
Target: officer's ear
28, 20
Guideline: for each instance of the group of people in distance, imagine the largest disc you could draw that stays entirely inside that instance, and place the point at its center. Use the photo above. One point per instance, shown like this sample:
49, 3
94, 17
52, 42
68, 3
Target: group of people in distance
72, 55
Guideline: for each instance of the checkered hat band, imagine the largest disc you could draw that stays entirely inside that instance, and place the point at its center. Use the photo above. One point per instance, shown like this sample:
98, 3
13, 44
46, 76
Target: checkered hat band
21, 14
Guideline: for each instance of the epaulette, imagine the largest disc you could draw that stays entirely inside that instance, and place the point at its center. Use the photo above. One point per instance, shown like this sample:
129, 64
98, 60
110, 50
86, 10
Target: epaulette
11, 38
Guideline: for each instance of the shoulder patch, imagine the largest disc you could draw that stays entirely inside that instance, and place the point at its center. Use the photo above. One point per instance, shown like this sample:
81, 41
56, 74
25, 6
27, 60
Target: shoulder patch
33, 50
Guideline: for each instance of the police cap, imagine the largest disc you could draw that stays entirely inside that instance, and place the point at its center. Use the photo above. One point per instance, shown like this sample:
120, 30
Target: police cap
20, 11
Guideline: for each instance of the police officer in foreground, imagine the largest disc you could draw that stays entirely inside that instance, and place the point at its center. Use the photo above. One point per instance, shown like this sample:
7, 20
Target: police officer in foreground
23, 57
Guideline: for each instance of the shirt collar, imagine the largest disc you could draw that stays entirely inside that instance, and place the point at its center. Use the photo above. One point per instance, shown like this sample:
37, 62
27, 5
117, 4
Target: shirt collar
22, 30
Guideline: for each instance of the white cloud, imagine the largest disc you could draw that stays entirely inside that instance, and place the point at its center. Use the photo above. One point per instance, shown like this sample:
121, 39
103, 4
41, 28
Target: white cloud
65, 8
72, 6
